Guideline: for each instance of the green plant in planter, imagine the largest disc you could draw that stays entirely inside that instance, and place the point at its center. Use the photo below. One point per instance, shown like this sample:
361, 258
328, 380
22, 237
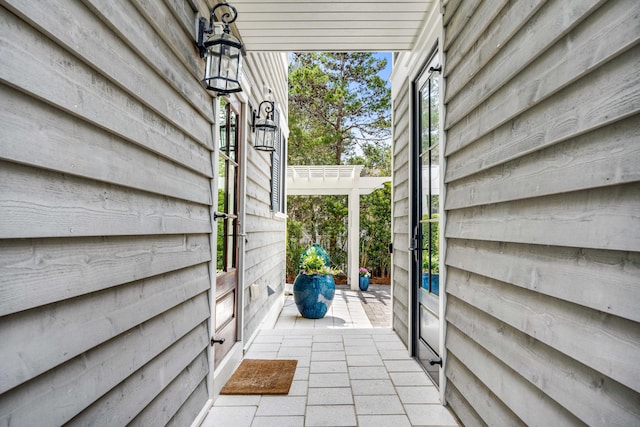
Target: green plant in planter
363, 272
312, 261
314, 287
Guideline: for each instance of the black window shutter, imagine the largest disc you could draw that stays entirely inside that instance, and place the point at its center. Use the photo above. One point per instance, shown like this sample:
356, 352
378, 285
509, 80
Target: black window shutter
275, 178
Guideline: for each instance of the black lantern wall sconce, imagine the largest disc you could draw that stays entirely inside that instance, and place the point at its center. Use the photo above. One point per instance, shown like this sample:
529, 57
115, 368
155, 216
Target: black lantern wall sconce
222, 52
265, 127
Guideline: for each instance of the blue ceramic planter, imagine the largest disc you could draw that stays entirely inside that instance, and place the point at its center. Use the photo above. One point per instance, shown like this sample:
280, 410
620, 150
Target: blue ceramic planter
314, 294
435, 283
364, 283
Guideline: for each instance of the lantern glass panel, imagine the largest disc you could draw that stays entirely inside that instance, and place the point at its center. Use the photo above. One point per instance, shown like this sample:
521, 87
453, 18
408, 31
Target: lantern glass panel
223, 62
266, 131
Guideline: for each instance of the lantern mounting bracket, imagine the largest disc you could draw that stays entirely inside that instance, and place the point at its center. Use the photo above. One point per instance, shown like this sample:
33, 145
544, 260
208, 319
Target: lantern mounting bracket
268, 110
266, 127
202, 22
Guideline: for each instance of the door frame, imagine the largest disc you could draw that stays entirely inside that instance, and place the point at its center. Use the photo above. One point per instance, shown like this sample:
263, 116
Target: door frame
219, 374
415, 273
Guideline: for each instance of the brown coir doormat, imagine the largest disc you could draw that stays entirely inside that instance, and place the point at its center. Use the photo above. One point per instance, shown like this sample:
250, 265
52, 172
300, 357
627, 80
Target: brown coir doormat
261, 377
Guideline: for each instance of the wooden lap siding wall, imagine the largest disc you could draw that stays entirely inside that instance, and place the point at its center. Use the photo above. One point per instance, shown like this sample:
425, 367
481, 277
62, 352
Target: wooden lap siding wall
105, 198
105, 170
543, 208
265, 248
401, 256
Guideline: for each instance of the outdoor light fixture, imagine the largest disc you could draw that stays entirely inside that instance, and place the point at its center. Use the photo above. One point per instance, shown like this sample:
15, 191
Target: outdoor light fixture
224, 137
265, 127
222, 52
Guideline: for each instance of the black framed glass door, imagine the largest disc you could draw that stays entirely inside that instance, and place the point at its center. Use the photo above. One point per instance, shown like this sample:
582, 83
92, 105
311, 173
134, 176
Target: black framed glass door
425, 218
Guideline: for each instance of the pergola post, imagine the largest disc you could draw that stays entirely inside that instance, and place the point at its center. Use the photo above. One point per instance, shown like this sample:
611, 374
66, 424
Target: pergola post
353, 251
338, 180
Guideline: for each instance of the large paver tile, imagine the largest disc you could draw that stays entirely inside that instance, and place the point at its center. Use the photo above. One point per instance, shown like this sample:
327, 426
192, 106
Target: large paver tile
327, 346
327, 356
281, 405
327, 367
409, 378
368, 373
383, 421
402, 366
293, 421
330, 396
237, 416
372, 387
371, 405
329, 380
364, 360
331, 416
299, 388
430, 415
419, 394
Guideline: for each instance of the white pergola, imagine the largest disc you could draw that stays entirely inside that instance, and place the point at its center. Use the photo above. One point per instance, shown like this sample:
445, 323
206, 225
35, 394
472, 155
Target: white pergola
337, 180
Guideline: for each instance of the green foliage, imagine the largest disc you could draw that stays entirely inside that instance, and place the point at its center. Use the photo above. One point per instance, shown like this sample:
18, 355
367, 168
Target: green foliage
376, 160
311, 263
317, 250
375, 230
339, 113
336, 101
320, 220
315, 260
220, 234
294, 246
431, 231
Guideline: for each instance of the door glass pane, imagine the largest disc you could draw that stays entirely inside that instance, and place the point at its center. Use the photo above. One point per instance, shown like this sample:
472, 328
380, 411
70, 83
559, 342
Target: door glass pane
227, 243
224, 137
222, 198
233, 136
430, 183
434, 102
424, 119
231, 188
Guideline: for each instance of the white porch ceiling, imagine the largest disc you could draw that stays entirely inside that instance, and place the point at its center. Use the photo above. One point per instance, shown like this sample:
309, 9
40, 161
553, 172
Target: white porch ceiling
334, 26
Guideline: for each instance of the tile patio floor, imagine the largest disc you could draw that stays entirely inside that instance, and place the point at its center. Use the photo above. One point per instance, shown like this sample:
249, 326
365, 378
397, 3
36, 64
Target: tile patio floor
349, 373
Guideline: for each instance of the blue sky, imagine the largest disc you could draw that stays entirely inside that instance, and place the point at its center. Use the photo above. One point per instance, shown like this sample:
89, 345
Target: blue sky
387, 70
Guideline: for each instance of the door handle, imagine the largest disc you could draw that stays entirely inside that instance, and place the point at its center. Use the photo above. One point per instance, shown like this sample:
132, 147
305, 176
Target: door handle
224, 215
414, 245
220, 341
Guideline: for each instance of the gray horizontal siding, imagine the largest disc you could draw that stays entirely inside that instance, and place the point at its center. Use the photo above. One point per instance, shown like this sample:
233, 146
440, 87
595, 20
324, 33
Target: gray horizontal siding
400, 238
105, 168
265, 245
543, 199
